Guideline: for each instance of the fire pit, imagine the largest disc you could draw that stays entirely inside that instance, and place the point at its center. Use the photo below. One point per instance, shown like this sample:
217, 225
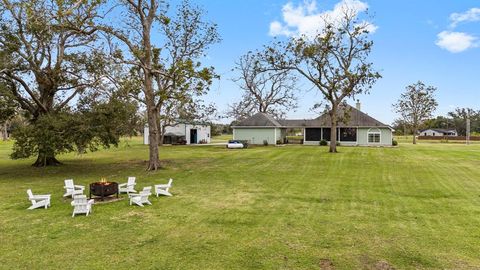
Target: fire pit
103, 189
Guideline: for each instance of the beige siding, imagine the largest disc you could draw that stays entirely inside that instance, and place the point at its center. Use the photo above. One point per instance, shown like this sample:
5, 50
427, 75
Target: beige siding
256, 135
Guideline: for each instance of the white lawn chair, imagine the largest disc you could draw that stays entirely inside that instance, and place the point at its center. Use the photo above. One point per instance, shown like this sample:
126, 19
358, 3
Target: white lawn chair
142, 197
128, 187
38, 200
81, 205
71, 189
163, 189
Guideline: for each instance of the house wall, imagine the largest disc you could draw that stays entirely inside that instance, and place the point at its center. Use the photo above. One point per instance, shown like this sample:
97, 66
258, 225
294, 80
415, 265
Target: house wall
386, 137
430, 132
257, 135
203, 132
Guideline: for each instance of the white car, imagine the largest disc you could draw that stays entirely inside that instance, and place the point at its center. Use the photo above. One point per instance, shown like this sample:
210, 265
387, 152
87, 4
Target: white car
232, 144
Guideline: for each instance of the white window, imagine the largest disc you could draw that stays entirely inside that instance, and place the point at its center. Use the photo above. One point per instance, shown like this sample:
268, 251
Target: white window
374, 135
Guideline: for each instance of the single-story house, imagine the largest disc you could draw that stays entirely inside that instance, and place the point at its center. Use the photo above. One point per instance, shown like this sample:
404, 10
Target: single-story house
357, 128
439, 132
191, 133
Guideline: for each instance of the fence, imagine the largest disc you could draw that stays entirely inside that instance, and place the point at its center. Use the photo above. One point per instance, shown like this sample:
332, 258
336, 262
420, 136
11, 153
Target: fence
449, 138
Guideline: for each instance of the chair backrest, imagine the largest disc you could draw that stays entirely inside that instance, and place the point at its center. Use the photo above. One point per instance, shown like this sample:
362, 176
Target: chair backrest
69, 184
79, 199
146, 190
80, 203
131, 181
30, 193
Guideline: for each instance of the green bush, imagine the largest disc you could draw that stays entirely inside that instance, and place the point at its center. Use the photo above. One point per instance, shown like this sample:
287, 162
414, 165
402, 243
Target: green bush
265, 143
394, 143
323, 143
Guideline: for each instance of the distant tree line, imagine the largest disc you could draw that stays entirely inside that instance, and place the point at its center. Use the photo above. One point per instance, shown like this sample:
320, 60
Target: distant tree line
456, 119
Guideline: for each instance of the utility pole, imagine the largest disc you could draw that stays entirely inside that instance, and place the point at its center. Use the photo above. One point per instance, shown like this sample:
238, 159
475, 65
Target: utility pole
468, 131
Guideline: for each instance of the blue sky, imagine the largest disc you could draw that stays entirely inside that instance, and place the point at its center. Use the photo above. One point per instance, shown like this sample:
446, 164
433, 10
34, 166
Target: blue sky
408, 47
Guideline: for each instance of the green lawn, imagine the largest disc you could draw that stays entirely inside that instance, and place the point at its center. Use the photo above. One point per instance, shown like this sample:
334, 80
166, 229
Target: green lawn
292, 207
222, 138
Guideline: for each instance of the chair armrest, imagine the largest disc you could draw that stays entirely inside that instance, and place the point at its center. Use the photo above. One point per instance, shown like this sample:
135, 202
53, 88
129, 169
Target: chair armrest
91, 201
122, 185
46, 196
79, 186
162, 186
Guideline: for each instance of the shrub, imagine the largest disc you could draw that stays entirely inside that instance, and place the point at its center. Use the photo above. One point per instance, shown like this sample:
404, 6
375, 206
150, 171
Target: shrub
323, 143
245, 143
279, 142
338, 143
265, 143
394, 143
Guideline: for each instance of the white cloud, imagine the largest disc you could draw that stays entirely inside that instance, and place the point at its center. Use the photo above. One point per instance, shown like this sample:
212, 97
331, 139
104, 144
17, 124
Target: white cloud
306, 19
456, 42
471, 15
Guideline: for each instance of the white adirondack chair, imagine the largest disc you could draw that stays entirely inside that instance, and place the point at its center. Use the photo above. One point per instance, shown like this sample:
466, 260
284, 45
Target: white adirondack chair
38, 200
128, 187
71, 189
163, 188
81, 205
142, 197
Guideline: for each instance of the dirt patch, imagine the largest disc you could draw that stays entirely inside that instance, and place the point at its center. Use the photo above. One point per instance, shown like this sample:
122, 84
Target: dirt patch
326, 264
372, 264
383, 265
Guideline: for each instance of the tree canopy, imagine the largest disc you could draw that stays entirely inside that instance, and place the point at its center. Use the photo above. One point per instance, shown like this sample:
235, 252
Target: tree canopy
334, 61
416, 105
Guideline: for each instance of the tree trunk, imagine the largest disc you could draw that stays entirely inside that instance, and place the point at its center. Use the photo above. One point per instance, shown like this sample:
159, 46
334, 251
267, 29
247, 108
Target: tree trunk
153, 138
46, 159
333, 131
4, 132
414, 135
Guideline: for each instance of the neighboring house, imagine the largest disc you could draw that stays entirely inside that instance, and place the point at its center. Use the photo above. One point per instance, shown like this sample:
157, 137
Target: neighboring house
438, 132
191, 133
357, 129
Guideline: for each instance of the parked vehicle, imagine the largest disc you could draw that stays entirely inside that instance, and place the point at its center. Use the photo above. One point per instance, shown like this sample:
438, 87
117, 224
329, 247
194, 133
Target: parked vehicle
234, 144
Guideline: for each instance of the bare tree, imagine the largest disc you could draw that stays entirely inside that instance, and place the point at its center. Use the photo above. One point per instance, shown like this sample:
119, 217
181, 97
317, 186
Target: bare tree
136, 36
335, 62
167, 71
416, 105
264, 90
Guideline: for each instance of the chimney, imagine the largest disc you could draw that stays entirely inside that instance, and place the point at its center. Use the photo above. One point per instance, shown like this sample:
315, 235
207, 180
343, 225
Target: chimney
358, 105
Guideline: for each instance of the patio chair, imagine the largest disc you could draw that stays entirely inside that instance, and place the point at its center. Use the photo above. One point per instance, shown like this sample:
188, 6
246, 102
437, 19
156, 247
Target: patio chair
81, 205
163, 188
71, 189
142, 197
128, 187
38, 200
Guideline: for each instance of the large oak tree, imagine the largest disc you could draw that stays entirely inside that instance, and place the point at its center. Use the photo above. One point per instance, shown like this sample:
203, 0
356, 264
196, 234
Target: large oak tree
48, 59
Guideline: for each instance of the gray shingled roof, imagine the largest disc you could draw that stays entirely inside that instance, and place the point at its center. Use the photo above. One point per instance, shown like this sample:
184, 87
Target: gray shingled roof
356, 119
259, 120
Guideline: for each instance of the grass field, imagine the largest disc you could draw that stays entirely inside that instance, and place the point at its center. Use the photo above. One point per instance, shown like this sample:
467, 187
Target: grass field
292, 207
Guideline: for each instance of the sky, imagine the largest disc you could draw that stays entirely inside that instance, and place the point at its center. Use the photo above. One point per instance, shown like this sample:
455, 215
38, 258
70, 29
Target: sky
437, 42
